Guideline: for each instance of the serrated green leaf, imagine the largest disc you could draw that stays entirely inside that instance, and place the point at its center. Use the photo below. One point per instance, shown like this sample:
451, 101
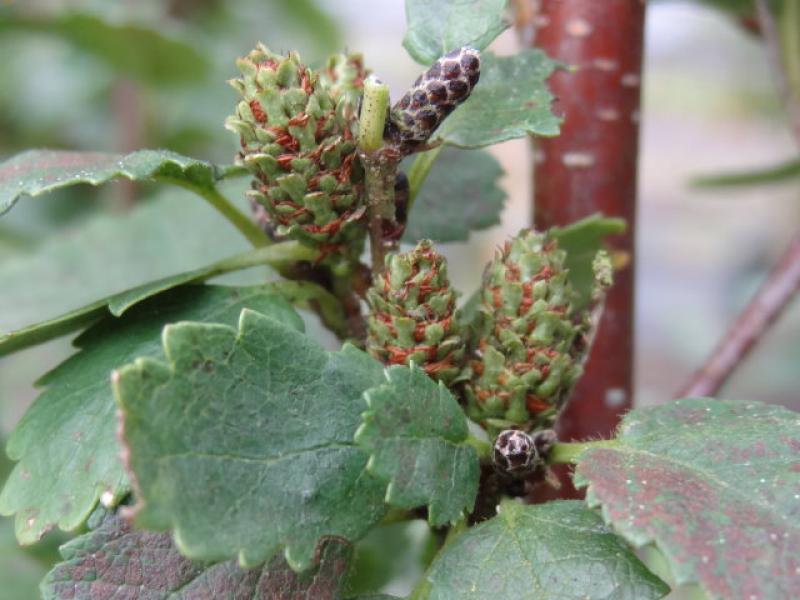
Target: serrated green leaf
35, 172
511, 100
461, 194
138, 52
248, 426
787, 172
540, 552
415, 433
66, 443
714, 484
148, 565
106, 256
435, 27
582, 239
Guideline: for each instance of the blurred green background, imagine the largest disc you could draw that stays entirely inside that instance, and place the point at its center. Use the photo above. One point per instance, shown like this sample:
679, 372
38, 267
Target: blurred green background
118, 76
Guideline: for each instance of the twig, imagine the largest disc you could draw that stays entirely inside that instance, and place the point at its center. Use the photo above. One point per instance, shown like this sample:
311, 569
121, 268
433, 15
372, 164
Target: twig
772, 41
380, 170
770, 300
380, 166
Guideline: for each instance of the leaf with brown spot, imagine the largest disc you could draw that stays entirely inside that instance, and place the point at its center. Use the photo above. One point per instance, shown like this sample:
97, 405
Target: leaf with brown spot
115, 561
715, 485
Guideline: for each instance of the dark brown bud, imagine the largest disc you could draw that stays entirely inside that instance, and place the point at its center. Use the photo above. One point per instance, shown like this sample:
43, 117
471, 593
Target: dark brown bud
518, 454
434, 95
514, 452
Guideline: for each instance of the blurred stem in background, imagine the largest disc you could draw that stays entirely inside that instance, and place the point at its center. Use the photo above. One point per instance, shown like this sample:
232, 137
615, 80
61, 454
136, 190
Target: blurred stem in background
129, 124
782, 45
770, 301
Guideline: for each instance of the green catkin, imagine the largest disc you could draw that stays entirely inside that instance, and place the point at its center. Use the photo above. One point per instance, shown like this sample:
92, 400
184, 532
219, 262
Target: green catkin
298, 139
413, 316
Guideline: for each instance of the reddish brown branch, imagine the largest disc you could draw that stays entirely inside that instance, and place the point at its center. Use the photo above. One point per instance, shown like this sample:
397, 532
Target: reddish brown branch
770, 300
591, 167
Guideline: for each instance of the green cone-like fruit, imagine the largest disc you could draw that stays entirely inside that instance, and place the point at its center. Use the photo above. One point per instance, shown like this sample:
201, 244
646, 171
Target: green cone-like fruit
413, 316
302, 152
528, 342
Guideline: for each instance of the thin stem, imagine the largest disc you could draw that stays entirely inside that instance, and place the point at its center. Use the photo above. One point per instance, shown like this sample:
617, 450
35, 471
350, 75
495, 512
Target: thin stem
775, 54
771, 299
419, 171
226, 208
380, 166
568, 453
423, 587
454, 532
277, 256
373, 115
379, 171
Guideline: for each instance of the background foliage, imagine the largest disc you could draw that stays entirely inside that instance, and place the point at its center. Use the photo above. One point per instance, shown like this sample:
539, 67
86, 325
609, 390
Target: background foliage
91, 92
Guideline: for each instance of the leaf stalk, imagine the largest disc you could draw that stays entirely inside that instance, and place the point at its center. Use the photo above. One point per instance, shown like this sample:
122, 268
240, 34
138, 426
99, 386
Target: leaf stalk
568, 453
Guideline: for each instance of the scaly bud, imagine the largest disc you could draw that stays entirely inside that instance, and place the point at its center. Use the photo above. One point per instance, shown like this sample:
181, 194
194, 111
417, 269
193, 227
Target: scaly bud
434, 95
